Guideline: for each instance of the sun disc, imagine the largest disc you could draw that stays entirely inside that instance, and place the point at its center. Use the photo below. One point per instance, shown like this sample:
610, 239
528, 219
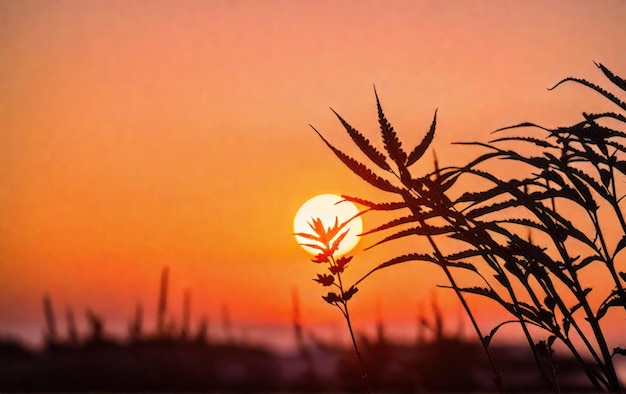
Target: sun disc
325, 207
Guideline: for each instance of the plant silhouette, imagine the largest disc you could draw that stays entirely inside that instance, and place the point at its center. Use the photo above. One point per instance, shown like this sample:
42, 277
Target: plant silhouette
327, 241
562, 192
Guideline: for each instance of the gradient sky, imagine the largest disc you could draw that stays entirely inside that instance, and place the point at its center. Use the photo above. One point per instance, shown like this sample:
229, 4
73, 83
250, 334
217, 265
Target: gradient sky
139, 134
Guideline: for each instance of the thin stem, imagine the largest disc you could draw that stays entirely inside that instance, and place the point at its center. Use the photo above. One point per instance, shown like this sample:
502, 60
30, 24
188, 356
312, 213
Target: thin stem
346, 314
356, 350
577, 290
549, 289
492, 261
497, 379
618, 212
553, 369
562, 250
487, 242
593, 321
549, 327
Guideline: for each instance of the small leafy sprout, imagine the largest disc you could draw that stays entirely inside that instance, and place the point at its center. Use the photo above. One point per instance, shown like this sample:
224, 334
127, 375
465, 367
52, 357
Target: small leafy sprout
327, 240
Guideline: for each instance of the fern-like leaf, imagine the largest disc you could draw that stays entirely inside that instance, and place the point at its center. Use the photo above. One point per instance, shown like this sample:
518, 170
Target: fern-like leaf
384, 206
393, 223
520, 125
461, 264
315, 246
308, 236
364, 144
335, 246
398, 260
620, 148
361, 170
402, 220
448, 178
585, 262
597, 88
574, 176
621, 166
392, 144
602, 191
464, 254
572, 230
487, 338
601, 132
496, 207
536, 141
589, 155
612, 115
552, 176
420, 149
619, 82
483, 291
421, 230
482, 196
526, 223
612, 300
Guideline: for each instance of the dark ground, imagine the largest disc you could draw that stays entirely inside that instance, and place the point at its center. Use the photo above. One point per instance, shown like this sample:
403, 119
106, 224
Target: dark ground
195, 365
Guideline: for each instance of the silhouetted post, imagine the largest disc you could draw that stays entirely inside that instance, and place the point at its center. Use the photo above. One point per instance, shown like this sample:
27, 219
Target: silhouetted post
297, 326
461, 328
162, 307
51, 334
96, 326
303, 349
421, 323
380, 327
203, 331
136, 326
72, 332
170, 328
438, 317
186, 314
226, 324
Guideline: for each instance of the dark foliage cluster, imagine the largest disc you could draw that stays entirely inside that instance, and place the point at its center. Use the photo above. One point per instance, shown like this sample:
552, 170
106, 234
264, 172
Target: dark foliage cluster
529, 239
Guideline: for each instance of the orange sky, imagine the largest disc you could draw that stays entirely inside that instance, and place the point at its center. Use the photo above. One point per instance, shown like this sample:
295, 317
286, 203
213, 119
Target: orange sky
138, 134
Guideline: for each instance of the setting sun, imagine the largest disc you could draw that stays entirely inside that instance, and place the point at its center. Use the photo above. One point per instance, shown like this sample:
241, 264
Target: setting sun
327, 208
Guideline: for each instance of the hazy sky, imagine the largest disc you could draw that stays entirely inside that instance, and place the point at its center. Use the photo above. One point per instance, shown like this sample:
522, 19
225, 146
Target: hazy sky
138, 134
